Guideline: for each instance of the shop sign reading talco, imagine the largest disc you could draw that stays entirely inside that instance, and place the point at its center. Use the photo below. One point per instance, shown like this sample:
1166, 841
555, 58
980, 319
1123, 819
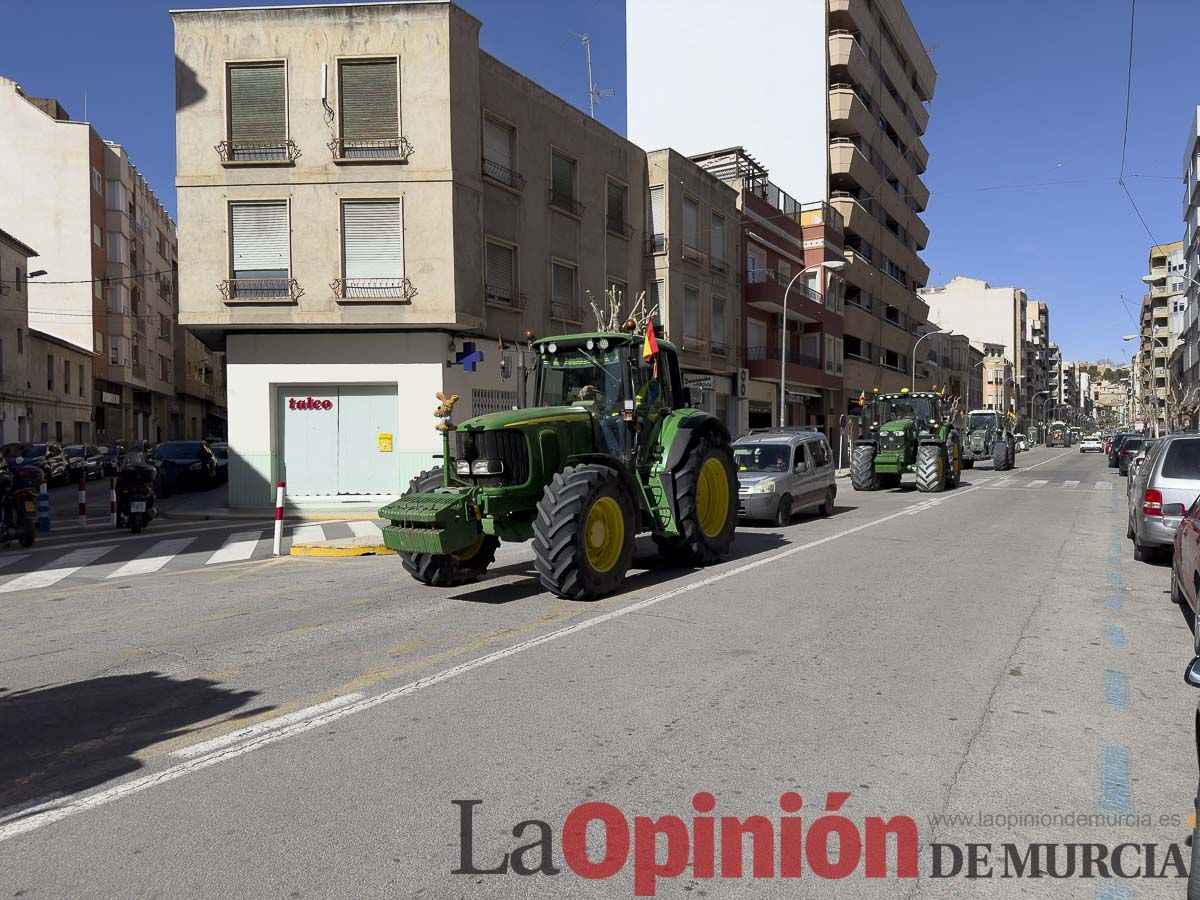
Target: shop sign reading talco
310, 404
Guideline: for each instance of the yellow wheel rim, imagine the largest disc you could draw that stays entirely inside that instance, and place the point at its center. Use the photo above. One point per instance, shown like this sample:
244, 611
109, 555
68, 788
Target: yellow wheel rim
712, 497
469, 551
604, 534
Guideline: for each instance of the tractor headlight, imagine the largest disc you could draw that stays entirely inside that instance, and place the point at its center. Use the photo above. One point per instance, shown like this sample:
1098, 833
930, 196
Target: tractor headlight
487, 467
766, 486
462, 467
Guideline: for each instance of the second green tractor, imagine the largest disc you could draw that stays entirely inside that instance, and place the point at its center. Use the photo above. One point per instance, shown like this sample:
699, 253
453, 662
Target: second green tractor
906, 432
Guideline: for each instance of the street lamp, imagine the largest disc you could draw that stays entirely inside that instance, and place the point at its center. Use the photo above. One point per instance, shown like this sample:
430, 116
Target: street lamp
833, 265
913, 359
1166, 372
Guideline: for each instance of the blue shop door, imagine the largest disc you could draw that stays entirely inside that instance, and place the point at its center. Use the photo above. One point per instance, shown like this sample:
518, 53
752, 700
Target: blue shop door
367, 440
310, 438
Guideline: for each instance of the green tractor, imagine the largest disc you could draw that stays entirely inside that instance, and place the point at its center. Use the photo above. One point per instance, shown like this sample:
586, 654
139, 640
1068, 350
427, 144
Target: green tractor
989, 437
611, 448
1058, 435
906, 432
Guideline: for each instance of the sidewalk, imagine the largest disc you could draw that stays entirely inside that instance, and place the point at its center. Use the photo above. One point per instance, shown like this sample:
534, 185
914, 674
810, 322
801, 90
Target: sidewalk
209, 505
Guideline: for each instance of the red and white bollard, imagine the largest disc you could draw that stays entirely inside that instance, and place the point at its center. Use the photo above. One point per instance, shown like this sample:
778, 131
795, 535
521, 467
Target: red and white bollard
83, 499
278, 518
112, 502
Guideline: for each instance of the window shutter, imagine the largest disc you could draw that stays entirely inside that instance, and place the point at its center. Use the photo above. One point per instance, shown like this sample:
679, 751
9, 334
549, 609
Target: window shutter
369, 100
717, 238
564, 285
563, 176
691, 312
371, 239
691, 222
616, 203
260, 239
718, 320
658, 216
497, 143
257, 103
499, 272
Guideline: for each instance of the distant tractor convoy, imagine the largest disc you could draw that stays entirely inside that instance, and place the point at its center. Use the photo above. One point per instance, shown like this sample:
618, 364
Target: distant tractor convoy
1059, 435
611, 448
906, 432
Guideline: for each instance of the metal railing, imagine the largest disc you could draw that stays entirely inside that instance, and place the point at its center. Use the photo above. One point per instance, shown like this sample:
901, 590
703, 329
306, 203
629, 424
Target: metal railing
503, 175
718, 265
567, 311
794, 357
284, 151
618, 226
656, 244
393, 289
564, 202
504, 297
692, 254
397, 149
260, 290
720, 349
771, 276
695, 344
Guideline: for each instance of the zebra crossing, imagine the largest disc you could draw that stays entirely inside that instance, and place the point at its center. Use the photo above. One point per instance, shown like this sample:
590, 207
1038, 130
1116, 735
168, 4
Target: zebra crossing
161, 549
1026, 484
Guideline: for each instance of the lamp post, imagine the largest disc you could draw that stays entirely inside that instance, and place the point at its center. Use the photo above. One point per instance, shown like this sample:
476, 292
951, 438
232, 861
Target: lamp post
1167, 372
913, 360
833, 265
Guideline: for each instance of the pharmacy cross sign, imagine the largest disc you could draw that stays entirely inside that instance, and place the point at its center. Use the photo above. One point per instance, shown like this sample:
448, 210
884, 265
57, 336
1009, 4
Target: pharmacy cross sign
469, 358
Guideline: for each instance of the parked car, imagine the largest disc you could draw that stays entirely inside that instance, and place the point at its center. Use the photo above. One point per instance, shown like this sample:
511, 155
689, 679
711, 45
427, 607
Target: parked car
47, 457
184, 464
83, 460
1185, 563
1114, 447
1091, 445
220, 450
1129, 448
783, 470
1165, 485
1022, 443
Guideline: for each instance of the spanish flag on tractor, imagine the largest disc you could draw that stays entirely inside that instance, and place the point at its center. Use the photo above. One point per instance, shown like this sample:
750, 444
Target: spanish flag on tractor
650, 344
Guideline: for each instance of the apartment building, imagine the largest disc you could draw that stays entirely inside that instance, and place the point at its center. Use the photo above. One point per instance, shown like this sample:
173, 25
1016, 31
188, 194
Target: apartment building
949, 366
45, 381
1189, 362
857, 79
371, 207
200, 387
999, 380
692, 253
785, 246
1160, 327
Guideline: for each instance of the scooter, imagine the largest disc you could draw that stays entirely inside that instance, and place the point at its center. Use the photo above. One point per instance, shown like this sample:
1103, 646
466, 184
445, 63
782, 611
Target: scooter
135, 496
18, 504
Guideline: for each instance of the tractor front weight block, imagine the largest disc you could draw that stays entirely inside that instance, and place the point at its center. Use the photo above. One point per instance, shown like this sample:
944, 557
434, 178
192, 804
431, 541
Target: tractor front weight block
431, 523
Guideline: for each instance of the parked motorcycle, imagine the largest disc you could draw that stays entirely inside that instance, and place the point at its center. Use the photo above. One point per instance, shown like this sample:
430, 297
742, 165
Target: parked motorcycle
135, 496
18, 503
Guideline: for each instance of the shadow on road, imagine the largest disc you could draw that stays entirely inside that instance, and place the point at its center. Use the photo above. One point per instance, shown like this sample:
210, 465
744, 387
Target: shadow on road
68, 738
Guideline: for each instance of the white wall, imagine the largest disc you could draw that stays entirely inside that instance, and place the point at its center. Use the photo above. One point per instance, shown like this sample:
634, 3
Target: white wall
705, 75
969, 306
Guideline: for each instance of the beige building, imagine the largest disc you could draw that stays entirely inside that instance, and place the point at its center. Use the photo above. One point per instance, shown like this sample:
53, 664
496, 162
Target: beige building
1159, 327
999, 380
372, 209
45, 381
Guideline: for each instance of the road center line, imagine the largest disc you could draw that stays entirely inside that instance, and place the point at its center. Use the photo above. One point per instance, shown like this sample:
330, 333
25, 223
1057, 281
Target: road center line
35, 818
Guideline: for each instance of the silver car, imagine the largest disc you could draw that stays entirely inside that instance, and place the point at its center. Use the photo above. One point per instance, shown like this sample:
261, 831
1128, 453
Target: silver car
1161, 489
781, 471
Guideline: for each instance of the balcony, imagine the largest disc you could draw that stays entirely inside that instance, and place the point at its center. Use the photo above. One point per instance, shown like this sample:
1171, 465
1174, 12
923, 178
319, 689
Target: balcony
656, 244
720, 348
764, 289
386, 290
260, 290
501, 175
694, 344
571, 311
387, 150
565, 203
847, 53
763, 363
691, 254
847, 160
849, 113
258, 153
504, 297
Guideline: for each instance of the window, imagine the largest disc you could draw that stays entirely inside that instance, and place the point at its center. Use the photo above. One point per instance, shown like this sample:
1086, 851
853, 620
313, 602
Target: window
66, 376
98, 289
718, 325
1183, 460
164, 368
756, 338
257, 112
18, 279
756, 263
20, 340
820, 453
164, 327
372, 249
259, 249
49, 371
501, 286
654, 299
499, 153
97, 182
115, 350
81, 385
829, 352
691, 223
784, 269
368, 92
118, 248
618, 289
691, 315
658, 221
716, 241
616, 208
97, 236
562, 183
839, 353
562, 302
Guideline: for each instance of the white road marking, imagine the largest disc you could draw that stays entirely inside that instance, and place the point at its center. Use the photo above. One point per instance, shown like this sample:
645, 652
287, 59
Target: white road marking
1104, 485
56, 571
308, 533
1070, 485
365, 529
1037, 484
233, 737
236, 548
159, 554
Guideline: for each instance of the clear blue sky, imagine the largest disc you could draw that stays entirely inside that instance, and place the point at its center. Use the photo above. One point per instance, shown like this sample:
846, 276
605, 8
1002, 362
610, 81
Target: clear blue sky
1030, 92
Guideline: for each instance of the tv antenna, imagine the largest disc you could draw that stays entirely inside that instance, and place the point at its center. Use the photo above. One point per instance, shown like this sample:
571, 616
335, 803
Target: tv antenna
594, 93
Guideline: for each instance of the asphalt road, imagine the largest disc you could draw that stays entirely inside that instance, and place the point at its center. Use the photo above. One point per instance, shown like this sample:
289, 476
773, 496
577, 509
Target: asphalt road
301, 727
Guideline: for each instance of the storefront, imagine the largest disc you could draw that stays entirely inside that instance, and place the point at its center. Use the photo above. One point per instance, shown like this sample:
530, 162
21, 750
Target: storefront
714, 394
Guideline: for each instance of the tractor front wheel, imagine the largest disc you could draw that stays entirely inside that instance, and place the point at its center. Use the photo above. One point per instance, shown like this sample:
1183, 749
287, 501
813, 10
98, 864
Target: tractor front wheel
583, 533
954, 466
447, 569
862, 469
1000, 456
706, 498
931, 469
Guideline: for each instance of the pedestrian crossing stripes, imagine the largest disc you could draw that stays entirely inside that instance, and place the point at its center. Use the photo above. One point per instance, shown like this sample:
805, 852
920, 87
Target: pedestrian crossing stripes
153, 559
306, 534
1104, 485
239, 547
1038, 484
1070, 484
56, 571
366, 530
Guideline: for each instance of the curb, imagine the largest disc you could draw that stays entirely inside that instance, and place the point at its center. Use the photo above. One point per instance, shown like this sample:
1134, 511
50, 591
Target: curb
269, 514
330, 550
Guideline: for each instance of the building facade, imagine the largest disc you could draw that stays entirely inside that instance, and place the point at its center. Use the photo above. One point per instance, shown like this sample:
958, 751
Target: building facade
999, 382
1160, 328
1188, 365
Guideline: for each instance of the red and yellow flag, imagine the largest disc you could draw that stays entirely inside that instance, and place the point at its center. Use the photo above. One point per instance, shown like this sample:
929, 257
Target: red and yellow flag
862, 398
650, 344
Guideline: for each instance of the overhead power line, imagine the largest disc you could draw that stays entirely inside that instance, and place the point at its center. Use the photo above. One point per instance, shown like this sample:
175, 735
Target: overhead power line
103, 280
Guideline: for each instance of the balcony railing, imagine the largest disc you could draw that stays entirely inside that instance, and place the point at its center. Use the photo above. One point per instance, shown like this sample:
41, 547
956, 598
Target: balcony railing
396, 150
567, 311
503, 175
395, 290
564, 202
618, 226
260, 290
771, 276
695, 344
656, 244
234, 152
794, 357
718, 265
691, 254
720, 349
504, 297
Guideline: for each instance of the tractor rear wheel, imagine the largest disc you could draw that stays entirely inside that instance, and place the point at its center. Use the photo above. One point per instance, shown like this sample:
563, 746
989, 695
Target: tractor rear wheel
706, 498
931, 469
862, 469
583, 533
447, 569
